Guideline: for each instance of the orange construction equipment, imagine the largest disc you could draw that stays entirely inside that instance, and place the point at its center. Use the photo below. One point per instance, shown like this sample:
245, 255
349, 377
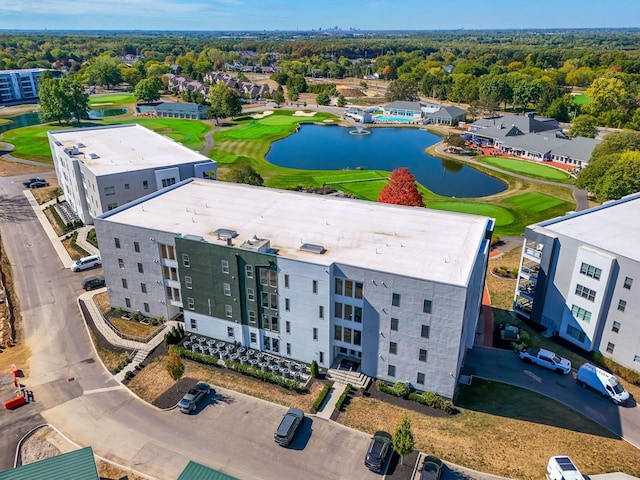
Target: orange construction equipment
15, 402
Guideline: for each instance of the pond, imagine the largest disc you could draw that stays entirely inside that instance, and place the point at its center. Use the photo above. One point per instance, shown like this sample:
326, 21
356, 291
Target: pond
316, 147
28, 119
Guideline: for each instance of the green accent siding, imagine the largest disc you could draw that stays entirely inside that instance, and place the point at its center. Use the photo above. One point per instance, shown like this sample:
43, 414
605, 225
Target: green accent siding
76, 465
196, 471
208, 279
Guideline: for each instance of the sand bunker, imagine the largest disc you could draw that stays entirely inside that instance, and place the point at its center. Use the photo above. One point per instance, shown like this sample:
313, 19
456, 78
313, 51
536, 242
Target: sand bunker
266, 113
300, 113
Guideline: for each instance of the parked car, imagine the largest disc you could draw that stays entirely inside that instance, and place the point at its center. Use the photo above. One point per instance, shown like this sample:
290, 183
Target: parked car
431, 468
379, 449
32, 180
546, 358
562, 468
85, 263
93, 282
288, 426
194, 396
603, 382
38, 184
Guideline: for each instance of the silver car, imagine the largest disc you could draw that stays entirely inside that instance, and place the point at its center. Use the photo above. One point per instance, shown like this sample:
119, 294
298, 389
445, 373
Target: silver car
194, 396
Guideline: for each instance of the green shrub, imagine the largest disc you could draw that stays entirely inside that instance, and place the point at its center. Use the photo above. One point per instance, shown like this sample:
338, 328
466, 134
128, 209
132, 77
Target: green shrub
401, 389
321, 396
434, 400
383, 387
343, 397
129, 375
314, 369
173, 336
74, 244
617, 369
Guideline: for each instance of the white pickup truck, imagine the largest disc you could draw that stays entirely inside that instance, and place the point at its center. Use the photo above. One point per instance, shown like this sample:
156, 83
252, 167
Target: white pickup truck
546, 358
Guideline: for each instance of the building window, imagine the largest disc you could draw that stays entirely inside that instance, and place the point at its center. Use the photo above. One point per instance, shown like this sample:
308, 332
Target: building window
610, 347
252, 316
590, 271
628, 281
124, 283
395, 300
225, 266
117, 241
143, 287
357, 337
337, 333
338, 285
249, 271
420, 378
127, 302
120, 263
253, 338
112, 206
393, 348
167, 182
169, 292
358, 290
315, 333
108, 191
146, 307
337, 310
585, 292
187, 282
622, 305
576, 333
288, 349
275, 345
191, 304
636, 358
321, 311
391, 370
422, 355
167, 252
287, 327
287, 304
286, 281
321, 358
314, 286
269, 300
228, 311
145, 184
140, 268
126, 186
424, 332
194, 324
230, 332
136, 247
267, 343
394, 324
426, 306
251, 294
185, 260
581, 314
616, 327
268, 278
176, 294
226, 287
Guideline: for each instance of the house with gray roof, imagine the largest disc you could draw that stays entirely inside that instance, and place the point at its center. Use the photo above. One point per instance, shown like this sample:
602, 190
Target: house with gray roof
421, 112
534, 138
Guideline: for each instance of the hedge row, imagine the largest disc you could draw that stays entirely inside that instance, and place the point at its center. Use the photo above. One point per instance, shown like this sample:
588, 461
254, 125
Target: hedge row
430, 399
269, 377
617, 369
321, 396
343, 397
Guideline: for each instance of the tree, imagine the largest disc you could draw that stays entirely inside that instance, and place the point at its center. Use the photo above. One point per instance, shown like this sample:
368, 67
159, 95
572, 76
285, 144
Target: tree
403, 441
148, 90
231, 103
402, 89
244, 173
341, 101
175, 367
131, 75
323, 99
401, 189
104, 70
216, 99
76, 98
278, 97
623, 178
583, 126
53, 105
280, 78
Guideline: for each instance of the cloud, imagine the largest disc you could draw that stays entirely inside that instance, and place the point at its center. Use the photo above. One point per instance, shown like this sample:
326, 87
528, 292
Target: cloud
143, 8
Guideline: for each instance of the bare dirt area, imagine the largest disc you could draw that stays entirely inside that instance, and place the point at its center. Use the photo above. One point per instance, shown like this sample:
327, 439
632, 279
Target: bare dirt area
43, 195
11, 169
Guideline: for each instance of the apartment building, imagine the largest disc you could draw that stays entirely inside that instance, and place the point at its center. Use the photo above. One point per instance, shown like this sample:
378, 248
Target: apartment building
395, 290
578, 276
21, 85
102, 168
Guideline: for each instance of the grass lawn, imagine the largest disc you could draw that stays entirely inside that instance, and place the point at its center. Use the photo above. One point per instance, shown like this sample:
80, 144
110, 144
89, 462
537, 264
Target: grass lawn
4, 120
534, 201
112, 99
190, 133
581, 99
530, 169
503, 216
31, 143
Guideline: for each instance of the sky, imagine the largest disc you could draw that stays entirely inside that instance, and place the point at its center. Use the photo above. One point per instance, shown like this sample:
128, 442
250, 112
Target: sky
259, 15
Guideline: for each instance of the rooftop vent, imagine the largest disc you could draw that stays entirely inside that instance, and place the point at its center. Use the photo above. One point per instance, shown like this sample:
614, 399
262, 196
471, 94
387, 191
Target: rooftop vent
93, 156
225, 234
80, 145
312, 248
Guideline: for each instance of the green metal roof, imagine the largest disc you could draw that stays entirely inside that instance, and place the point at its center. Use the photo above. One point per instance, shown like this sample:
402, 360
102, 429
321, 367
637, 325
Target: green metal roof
196, 471
76, 465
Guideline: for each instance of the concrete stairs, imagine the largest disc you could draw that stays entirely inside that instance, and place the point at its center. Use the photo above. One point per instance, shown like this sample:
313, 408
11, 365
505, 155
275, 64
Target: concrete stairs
356, 379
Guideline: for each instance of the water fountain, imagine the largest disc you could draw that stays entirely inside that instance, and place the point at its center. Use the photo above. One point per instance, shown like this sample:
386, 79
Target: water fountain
359, 131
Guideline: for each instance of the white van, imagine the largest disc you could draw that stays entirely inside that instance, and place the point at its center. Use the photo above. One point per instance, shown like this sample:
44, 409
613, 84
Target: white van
562, 468
85, 263
607, 384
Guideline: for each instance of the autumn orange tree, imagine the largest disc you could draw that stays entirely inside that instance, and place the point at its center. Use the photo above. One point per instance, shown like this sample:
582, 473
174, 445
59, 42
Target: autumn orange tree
401, 189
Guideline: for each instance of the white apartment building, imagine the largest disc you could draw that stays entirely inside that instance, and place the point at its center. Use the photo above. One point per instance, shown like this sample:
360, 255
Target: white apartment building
578, 276
102, 168
396, 290
21, 84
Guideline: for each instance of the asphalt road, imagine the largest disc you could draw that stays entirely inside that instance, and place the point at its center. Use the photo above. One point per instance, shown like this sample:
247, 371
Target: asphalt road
73, 391
505, 366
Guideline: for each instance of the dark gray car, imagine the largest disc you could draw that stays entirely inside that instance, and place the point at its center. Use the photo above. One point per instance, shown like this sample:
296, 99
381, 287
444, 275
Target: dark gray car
288, 426
379, 448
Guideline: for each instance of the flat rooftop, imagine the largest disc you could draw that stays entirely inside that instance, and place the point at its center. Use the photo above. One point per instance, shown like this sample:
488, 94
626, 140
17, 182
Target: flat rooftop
410, 241
125, 148
613, 227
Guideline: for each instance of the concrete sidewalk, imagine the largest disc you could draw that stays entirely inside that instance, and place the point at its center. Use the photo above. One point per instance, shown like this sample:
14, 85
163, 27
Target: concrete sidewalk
329, 404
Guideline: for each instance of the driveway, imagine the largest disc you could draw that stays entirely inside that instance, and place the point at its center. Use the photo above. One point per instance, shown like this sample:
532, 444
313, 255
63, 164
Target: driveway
505, 366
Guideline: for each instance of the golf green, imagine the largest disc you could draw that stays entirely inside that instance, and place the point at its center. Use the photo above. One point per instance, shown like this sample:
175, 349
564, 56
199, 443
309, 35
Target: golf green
502, 215
534, 201
524, 167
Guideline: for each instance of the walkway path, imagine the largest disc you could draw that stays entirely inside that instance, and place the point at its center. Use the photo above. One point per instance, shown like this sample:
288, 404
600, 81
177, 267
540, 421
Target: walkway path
208, 141
84, 243
6, 148
329, 404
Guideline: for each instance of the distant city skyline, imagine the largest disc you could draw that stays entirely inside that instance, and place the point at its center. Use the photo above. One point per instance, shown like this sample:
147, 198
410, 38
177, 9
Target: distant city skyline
305, 15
